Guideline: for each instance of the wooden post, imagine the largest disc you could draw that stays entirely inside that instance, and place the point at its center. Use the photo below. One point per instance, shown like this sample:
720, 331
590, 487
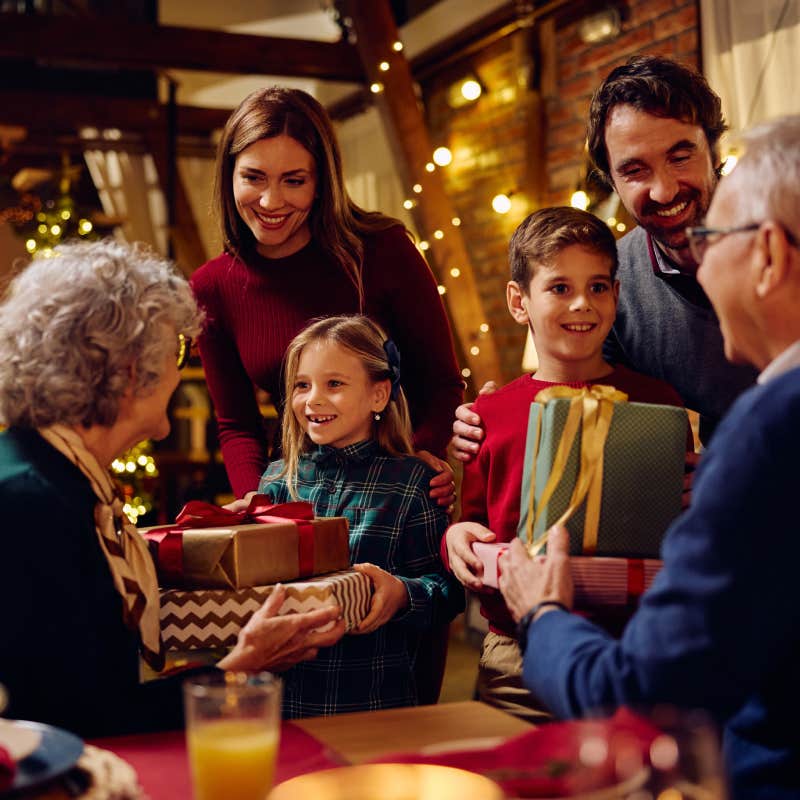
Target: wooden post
405, 125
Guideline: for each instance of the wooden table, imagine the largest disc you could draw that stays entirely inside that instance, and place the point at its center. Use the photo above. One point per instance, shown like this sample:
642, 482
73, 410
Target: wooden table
161, 763
369, 734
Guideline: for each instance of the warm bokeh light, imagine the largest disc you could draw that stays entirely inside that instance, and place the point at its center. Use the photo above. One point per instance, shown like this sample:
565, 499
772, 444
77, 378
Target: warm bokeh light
442, 156
579, 200
471, 90
376, 88
455, 272
501, 203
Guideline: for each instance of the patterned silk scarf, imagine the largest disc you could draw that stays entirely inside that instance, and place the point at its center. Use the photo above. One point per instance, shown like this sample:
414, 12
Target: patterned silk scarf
126, 552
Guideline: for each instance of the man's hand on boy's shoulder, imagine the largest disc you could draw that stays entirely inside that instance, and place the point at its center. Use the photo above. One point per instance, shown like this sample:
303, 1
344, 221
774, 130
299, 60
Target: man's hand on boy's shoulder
467, 430
464, 564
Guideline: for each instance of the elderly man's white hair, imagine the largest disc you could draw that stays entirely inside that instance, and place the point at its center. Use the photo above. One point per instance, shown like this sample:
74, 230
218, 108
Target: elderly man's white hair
768, 175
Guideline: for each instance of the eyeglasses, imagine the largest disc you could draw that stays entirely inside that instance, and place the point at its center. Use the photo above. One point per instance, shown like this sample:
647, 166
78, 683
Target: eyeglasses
700, 239
184, 350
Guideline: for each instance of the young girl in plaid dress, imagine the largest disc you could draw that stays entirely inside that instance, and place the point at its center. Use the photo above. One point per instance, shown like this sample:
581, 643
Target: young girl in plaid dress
347, 450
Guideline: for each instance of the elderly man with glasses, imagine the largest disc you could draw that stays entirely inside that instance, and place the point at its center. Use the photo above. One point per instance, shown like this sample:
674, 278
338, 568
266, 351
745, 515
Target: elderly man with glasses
720, 627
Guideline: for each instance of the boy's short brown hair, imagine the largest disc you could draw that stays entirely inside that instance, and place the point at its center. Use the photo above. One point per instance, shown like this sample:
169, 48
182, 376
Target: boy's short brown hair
542, 235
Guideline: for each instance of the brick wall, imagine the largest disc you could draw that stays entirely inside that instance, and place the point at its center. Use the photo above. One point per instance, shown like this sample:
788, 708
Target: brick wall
490, 139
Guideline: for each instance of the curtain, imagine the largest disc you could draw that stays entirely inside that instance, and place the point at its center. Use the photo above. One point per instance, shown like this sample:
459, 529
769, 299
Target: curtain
751, 57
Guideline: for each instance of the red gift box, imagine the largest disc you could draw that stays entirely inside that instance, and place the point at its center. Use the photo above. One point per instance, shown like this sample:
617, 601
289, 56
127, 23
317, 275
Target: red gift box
598, 581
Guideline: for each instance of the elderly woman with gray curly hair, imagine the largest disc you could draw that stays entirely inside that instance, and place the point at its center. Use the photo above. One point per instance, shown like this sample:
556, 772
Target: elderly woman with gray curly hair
89, 349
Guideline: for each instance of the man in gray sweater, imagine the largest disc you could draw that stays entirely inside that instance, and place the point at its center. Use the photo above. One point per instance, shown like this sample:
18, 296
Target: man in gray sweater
653, 134
654, 129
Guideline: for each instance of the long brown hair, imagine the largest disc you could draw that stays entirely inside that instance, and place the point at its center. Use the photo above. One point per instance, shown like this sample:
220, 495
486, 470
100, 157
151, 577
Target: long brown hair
365, 340
336, 222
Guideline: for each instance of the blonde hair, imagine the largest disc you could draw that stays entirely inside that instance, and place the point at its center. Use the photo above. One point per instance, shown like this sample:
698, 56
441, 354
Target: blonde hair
336, 222
365, 340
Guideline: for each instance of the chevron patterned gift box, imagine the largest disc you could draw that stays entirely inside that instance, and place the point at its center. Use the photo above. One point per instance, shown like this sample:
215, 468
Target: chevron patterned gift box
206, 618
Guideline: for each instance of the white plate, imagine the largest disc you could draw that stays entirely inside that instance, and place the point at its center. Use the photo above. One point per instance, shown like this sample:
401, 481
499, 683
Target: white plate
20, 741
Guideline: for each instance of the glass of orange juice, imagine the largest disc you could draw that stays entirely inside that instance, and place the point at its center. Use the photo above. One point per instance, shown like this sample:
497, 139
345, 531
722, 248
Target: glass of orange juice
232, 731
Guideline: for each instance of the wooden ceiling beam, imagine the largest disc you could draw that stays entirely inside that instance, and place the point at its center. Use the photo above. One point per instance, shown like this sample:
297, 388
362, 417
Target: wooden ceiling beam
83, 41
406, 129
53, 112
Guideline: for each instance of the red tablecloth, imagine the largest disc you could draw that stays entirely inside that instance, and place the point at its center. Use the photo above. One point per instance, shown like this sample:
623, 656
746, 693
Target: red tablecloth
162, 766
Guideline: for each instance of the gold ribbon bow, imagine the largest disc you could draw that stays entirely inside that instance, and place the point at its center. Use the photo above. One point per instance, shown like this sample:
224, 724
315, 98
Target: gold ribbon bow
590, 411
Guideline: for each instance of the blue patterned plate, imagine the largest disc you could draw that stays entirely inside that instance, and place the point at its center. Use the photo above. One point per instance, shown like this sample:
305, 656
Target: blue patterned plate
57, 752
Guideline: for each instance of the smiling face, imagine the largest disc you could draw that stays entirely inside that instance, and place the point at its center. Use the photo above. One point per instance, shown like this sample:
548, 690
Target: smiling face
274, 186
333, 398
570, 306
663, 172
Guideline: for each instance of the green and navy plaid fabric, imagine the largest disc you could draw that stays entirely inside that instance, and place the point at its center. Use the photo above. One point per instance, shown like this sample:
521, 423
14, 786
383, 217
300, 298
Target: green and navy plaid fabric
395, 525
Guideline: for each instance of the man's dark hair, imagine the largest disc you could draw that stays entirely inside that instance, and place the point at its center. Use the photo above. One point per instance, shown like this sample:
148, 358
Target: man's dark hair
658, 86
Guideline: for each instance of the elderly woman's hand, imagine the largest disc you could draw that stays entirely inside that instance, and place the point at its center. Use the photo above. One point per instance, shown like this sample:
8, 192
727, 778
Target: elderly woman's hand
526, 581
276, 642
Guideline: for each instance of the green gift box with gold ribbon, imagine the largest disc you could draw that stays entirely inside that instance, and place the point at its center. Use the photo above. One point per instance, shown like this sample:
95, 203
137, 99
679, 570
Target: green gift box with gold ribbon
610, 470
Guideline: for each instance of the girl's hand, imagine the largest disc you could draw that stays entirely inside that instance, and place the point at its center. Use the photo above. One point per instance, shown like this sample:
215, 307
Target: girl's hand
241, 504
443, 487
389, 597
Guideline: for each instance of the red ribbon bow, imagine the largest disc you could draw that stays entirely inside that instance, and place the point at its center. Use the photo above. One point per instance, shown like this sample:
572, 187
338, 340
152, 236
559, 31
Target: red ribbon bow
199, 514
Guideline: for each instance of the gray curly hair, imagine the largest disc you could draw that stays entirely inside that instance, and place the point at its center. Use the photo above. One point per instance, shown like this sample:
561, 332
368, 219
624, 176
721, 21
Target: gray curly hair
81, 328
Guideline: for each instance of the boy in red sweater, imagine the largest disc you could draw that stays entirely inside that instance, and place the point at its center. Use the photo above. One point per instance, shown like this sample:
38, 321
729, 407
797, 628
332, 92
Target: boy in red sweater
563, 267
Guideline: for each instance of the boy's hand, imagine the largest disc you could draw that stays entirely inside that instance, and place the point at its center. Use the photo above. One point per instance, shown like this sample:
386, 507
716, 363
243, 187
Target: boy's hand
443, 486
467, 430
464, 564
389, 597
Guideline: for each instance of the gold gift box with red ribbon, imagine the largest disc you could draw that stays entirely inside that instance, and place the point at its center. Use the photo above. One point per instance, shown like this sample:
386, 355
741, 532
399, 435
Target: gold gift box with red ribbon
214, 548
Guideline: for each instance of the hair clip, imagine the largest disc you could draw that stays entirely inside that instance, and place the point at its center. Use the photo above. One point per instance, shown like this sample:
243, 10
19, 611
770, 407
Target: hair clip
393, 357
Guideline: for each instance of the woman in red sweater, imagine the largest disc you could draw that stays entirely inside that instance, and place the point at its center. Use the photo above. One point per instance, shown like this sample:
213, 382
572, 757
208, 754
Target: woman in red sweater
297, 247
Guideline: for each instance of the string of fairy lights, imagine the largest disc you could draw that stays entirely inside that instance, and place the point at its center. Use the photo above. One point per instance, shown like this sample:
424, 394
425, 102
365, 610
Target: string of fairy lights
469, 90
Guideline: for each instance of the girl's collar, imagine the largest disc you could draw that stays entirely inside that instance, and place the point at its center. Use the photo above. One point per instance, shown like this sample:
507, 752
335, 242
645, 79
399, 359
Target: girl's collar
352, 453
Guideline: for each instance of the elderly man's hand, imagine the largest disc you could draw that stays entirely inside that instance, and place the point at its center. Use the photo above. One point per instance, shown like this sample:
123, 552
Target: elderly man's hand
276, 642
526, 581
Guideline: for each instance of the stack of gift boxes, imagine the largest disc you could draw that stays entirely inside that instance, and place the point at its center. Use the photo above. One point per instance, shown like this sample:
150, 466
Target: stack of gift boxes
612, 472
217, 567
